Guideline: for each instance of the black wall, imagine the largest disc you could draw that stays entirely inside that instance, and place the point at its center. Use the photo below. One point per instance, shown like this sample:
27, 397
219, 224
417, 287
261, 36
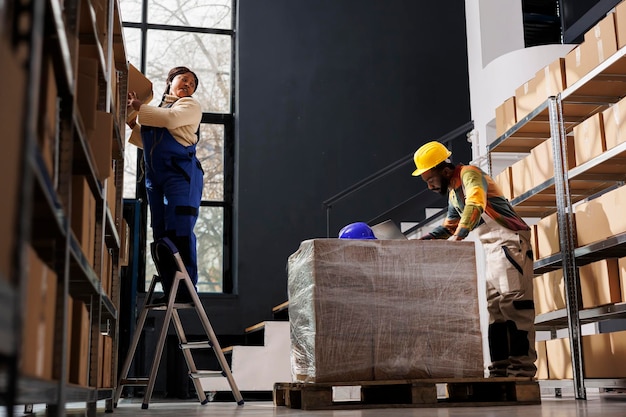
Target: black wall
328, 93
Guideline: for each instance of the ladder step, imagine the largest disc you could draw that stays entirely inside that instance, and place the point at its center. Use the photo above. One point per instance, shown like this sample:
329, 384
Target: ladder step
135, 381
196, 345
206, 374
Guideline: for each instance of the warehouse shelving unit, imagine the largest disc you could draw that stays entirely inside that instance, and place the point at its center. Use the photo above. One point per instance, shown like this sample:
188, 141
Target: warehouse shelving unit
54, 34
555, 118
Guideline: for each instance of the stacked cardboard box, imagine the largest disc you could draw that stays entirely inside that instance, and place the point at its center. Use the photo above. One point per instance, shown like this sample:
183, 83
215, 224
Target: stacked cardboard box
383, 309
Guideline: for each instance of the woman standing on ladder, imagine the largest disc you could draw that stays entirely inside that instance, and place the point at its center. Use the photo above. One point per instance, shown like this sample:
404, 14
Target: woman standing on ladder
173, 174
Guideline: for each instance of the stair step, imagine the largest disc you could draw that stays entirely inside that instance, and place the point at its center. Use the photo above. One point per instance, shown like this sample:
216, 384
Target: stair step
196, 345
281, 311
206, 374
135, 381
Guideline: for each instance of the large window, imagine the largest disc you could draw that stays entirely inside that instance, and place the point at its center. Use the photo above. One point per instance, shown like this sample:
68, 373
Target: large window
159, 35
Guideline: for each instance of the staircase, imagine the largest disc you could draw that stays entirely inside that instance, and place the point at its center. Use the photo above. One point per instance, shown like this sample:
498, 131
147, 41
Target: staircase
264, 361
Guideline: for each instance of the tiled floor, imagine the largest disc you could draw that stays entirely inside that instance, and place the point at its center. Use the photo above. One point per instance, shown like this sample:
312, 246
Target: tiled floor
596, 405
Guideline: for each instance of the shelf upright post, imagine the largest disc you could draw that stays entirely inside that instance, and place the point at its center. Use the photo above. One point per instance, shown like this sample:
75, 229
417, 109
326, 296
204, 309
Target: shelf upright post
566, 237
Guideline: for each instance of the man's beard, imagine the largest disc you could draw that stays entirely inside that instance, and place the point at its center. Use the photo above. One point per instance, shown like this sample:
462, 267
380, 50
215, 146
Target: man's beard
445, 183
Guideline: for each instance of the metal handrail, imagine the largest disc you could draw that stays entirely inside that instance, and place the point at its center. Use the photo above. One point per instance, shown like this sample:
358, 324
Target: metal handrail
329, 202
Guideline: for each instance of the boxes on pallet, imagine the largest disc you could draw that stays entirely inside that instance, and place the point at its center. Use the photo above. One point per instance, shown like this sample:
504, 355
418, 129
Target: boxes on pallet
601, 217
599, 44
506, 116
614, 122
599, 283
589, 139
383, 309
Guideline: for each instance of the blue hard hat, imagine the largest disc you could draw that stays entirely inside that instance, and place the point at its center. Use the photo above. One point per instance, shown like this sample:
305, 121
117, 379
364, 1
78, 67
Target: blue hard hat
358, 230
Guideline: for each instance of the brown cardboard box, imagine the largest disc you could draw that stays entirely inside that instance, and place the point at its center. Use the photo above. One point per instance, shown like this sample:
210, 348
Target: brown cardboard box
388, 309
548, 241
604, 355
622, 277
138, 83
124, 243
533, 241
521, 176
599, 283
551, 79
106, 380
506, 116
599, 44
589, 139
503, 179
111, 196
602, 217
38, 329
11, 155
614, 122
83, 219
526, 98
555, 289
541, 161
87, 87
620, 24
101, 144
559, 359
47, 123
542, 360
540, 296
79, 344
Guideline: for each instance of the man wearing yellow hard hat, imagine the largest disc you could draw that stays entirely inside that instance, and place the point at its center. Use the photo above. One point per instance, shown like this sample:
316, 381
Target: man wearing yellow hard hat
476, 203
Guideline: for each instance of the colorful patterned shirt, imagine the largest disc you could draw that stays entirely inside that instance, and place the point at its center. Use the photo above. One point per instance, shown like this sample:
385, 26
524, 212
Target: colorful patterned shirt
472, 192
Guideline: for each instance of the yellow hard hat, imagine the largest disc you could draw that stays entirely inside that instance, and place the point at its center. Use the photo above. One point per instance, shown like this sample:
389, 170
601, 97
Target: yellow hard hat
429, 156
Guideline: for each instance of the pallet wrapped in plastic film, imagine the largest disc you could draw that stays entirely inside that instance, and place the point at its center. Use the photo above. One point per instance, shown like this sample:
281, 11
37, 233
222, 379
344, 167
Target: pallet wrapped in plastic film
363, 310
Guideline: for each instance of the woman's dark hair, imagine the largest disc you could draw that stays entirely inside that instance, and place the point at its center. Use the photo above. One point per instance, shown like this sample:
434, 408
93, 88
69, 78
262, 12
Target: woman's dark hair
177, 71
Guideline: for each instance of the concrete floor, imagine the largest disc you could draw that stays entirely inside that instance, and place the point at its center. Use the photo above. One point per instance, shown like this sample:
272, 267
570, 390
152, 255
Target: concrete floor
596, 405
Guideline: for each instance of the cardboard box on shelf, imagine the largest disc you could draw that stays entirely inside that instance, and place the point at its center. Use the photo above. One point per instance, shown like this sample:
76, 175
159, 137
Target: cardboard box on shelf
548, 241
620, 24
38, 327
503, 179
559, 358
604, 355
526, 98
506, 116
141, 85
356, 312
541, 161
551, 79
601, 217
589, 139
540, 296
614, 122
542, 360
521, 178
622, 277
83, 221
78, 372
11, 155
101, 143
599, 283
555, 289
599, 44
87, 88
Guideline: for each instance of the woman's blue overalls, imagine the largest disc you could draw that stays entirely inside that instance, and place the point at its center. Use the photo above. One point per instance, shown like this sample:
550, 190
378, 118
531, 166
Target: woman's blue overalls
173, 176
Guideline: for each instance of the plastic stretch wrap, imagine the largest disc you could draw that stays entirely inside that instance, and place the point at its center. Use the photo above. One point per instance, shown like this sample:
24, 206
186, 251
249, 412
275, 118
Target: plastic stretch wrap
363, 310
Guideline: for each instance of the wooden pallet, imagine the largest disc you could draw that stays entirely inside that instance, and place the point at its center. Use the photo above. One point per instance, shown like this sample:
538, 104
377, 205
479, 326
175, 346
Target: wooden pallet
461, 392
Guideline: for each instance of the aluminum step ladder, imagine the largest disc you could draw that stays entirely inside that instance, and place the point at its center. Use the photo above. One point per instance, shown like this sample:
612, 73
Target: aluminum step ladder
171, 308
